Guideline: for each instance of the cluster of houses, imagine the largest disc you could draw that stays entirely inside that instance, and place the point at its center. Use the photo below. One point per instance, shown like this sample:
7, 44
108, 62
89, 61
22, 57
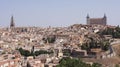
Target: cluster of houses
67, 39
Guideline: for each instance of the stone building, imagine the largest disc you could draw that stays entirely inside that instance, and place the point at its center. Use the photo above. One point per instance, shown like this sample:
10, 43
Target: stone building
98, 21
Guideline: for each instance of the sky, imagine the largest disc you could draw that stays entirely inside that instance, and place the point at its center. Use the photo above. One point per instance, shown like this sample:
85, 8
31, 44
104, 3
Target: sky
44, 13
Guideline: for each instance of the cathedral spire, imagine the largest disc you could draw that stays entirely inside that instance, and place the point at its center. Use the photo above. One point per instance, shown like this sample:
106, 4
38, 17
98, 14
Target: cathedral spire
87, 16
104, 15
12, 24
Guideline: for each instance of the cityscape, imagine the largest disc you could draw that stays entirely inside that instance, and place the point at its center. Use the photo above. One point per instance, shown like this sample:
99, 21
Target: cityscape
95, 43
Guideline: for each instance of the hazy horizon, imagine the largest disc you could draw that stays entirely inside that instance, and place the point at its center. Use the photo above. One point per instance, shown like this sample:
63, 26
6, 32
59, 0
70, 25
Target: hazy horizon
57, 12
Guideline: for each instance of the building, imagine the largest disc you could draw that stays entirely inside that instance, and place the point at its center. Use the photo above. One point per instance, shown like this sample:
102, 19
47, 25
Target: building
98, 21
10, 63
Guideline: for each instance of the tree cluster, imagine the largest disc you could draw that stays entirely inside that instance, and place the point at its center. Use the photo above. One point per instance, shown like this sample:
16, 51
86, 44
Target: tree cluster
50, 39
36, 53
115, 32
27, 53
103, 44
66, 52
68, 62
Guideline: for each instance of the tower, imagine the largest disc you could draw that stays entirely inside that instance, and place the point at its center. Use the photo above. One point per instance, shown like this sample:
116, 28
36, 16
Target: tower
12, 24
105, 19
88, 19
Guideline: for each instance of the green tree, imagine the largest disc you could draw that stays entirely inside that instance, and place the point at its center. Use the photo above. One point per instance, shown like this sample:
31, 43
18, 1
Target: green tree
50, 39
68, 62
27, 53
117, 65
96, 65
115, 32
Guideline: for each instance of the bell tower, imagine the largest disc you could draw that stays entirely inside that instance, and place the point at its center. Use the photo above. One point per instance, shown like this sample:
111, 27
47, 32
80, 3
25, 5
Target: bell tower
12, 24
87, 18
105, 19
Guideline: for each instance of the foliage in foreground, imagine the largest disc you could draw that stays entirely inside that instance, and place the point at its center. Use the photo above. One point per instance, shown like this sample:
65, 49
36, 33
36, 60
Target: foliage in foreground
68, 62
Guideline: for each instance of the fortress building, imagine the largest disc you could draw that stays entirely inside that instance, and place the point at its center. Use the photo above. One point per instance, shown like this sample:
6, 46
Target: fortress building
98, 21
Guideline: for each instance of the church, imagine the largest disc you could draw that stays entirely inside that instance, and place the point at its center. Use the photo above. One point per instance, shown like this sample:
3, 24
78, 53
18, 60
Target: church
97, 21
